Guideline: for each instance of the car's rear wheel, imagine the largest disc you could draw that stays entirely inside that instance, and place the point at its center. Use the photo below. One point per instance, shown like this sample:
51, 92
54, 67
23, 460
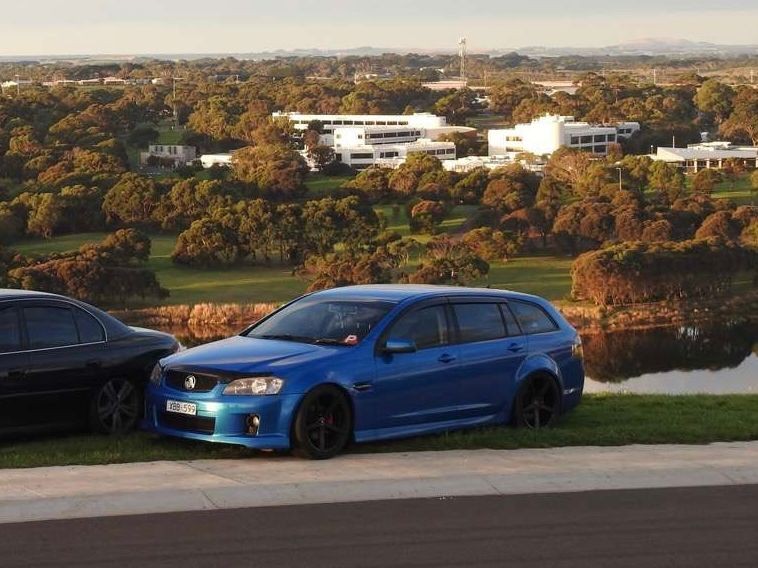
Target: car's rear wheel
115, 407
323, 424
538, 402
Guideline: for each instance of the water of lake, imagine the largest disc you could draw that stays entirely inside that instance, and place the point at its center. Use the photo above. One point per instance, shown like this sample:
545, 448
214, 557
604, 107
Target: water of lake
713, 359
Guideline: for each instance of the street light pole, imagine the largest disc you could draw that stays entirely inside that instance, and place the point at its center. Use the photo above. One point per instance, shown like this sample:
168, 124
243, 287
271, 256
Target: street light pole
620, 186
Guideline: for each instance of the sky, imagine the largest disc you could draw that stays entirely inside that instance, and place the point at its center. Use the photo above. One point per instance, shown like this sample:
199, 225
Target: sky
53, 27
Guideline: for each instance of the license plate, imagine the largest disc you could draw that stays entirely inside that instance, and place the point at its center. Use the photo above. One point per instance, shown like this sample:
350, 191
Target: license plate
181, 407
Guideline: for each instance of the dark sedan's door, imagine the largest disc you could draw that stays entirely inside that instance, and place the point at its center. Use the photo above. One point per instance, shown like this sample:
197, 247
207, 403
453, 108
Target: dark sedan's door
14, 365
66, 352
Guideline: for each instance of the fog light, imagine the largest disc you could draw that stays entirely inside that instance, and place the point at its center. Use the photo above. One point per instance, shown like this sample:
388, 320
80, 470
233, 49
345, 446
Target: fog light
253, 422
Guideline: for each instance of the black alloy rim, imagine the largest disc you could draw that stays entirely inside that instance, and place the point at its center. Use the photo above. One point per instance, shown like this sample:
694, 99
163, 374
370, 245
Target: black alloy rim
117, 406
539, 403
327, 422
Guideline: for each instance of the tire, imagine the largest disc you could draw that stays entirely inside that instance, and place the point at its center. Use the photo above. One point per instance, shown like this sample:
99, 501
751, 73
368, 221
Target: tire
323, 425
537, 403
115, 407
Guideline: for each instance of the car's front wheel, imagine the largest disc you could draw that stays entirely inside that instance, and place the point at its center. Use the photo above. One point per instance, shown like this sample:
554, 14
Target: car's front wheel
115, 407
323, 424
537, 403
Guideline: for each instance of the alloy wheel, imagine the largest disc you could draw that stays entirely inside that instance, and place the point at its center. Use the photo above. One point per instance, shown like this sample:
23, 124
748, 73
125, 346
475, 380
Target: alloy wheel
117, 406
539, 403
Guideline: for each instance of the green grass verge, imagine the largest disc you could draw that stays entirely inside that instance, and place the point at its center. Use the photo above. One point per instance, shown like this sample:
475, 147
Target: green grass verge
601, 420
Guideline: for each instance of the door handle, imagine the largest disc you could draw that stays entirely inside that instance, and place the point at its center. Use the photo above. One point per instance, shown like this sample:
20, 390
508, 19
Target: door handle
446, 358
515, 348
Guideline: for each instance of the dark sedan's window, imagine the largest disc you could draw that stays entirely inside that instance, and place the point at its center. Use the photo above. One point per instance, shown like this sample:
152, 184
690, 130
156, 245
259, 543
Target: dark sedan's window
426, 327
90, 330
10, 334
532, 318
50, 327
479, 322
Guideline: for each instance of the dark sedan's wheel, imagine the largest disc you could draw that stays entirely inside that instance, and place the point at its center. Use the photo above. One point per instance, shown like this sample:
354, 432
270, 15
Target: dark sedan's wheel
537, 403
115, 407
323, 424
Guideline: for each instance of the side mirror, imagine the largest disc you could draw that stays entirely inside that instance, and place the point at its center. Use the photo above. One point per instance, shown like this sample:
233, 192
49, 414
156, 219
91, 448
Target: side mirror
400, 346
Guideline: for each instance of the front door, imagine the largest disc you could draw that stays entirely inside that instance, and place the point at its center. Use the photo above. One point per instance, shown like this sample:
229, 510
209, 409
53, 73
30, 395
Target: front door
14, 366
417, 388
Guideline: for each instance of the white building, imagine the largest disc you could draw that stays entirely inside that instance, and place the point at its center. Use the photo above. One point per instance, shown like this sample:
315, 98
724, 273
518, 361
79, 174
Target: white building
362, 156
429, 125
544, 135
179, 155
696, 157
210, 160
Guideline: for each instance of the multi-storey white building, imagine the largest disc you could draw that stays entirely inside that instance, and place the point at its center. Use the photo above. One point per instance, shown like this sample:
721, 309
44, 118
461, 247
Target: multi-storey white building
544, 135
712, 155
363, 156
428, 125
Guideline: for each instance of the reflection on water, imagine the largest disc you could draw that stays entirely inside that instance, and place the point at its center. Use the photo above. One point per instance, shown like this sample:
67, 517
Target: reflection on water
689, 359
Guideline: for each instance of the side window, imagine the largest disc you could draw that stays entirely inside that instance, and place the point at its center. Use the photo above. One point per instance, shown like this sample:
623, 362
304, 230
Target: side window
479, 322
90, 330
50, 327
10, 334
510, 321
532, 318
427, 327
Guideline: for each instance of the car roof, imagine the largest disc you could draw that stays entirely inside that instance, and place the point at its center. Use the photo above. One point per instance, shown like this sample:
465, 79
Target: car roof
10, 294
402, 292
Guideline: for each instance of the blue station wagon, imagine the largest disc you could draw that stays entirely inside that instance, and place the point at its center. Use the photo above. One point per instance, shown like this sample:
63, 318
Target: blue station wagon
366, 363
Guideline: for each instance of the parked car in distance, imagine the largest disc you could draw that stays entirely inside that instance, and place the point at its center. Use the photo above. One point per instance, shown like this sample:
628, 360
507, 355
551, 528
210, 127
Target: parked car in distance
366, 363
64, 362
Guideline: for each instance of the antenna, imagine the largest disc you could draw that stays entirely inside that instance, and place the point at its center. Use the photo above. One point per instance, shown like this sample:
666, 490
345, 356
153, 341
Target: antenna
462, 52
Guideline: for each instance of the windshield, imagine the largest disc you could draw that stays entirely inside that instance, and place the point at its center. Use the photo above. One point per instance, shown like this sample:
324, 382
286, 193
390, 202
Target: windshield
326, 322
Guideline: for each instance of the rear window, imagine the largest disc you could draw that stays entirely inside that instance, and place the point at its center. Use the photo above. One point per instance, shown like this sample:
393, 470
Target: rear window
50, 327
479, 322
532, 318
10, 334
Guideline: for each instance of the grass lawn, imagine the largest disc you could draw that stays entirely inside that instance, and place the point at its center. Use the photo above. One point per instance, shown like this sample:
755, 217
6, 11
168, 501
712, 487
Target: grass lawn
740, 191
601, 420
321, 186
547, 276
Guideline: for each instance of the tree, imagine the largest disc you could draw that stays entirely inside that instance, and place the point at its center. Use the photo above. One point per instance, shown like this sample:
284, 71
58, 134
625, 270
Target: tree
373, 182
426, 215
742, 123
493, 245
511, 188
347, 269
705, 180
449, 262
45, 214
719, 224
715, 98
273, 169
206, 244
418, 166
322, 156
131, 201
667, 178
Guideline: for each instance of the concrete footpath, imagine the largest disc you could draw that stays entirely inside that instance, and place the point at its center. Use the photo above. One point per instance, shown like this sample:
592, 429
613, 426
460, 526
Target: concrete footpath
268, 480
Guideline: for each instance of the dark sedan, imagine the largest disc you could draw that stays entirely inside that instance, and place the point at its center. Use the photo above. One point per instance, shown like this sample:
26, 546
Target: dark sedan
64, 362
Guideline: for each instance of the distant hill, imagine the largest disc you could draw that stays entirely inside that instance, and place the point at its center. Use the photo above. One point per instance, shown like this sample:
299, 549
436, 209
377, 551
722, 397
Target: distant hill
647, 46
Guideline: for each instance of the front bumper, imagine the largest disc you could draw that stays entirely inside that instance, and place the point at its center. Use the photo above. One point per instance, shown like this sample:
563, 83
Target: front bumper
222, 419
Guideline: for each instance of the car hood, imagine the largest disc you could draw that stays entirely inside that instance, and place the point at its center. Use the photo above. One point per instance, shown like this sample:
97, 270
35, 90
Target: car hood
246, 355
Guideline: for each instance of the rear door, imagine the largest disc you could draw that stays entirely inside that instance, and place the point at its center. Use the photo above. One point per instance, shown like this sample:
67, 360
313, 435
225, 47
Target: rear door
491, 351
14, 365
66, 351
422, 387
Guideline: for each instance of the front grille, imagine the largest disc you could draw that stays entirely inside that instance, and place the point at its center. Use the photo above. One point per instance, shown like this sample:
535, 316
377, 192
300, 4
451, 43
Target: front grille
178, 381
198, 424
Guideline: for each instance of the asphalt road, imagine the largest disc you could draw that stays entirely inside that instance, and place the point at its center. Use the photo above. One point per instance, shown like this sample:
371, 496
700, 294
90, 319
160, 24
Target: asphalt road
671, 527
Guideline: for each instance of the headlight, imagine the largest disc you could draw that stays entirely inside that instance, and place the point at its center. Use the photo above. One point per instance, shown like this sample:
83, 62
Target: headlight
256, 386
155, 376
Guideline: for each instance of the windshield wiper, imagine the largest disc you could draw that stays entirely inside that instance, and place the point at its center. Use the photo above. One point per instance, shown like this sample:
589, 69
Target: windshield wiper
330, 341
286, 337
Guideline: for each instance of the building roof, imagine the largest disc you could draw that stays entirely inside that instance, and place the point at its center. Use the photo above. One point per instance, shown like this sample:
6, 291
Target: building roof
704, 153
